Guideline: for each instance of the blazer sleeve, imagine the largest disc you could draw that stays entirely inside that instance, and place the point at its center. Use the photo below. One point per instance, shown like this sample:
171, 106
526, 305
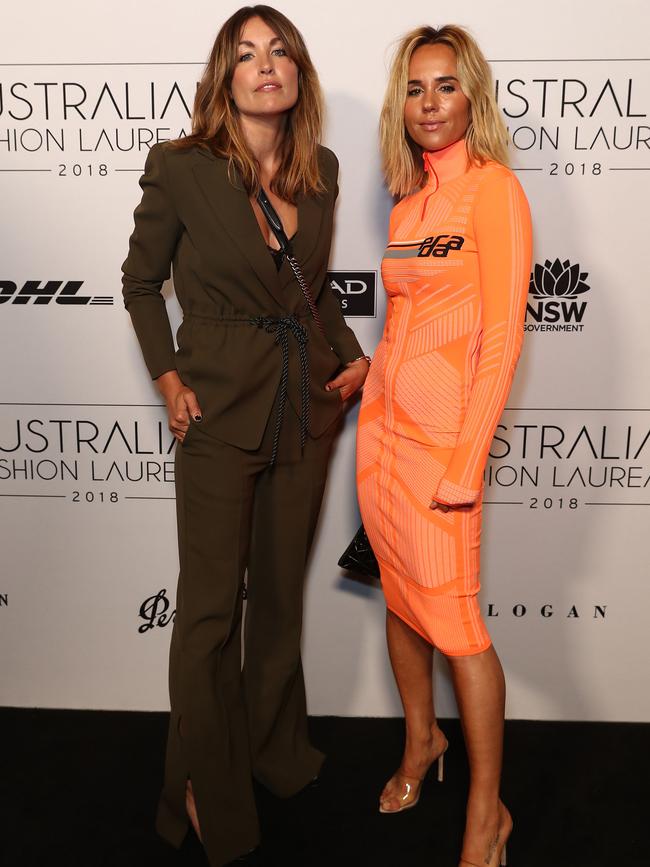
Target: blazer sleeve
504, 244
339, 333
148, 265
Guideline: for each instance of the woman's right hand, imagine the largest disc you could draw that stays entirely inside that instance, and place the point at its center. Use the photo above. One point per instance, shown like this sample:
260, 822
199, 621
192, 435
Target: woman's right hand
181, 403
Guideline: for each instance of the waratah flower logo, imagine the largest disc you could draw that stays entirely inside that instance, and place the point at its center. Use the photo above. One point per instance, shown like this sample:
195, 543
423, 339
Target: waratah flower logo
558, 280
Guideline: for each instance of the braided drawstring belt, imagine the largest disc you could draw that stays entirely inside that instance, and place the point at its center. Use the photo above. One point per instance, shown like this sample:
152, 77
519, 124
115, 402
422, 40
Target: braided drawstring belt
281, 327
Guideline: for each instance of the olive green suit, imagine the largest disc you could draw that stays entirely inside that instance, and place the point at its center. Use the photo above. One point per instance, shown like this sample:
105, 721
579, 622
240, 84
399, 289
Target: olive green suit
239, 350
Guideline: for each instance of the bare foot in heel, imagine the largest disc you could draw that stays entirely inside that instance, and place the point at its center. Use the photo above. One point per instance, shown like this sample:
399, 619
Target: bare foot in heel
190, 808
485, 845
402, 791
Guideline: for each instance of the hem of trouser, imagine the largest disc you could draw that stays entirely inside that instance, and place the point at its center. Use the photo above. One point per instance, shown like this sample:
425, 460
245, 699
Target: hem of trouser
290, 791
231, 852
173, 830
170, 826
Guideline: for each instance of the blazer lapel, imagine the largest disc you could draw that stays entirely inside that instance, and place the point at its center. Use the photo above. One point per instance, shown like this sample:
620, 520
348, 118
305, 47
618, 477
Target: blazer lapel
310, 215
233, 211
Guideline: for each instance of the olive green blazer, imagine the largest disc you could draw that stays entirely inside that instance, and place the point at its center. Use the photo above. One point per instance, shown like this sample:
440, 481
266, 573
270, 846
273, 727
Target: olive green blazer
194, 221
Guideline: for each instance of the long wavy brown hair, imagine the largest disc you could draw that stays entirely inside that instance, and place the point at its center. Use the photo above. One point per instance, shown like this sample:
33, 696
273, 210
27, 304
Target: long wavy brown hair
215, 119
486, 136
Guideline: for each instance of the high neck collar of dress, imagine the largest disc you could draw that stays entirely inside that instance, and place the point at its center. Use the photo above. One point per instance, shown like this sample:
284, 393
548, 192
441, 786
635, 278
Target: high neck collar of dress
446, 164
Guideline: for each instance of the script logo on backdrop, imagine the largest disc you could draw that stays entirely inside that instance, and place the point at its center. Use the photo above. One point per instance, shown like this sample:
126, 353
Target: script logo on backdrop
154, 611
555, 286
356, 291
4, 600
44, 291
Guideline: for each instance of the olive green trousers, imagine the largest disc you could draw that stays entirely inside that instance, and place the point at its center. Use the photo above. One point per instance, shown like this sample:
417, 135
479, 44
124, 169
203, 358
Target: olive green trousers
229, 723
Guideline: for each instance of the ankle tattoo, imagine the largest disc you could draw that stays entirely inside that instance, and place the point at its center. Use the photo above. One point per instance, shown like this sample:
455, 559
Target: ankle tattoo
492, 849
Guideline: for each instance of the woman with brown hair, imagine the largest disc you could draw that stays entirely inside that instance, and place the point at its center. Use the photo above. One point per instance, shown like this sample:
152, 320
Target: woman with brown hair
253, 393
456, 273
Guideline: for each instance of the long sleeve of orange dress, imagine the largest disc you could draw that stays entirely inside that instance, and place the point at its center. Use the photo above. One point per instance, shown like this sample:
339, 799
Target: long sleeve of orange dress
503, 243
456, 272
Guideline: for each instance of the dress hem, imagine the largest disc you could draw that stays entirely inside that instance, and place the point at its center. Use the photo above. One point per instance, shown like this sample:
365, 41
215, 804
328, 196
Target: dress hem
410, 624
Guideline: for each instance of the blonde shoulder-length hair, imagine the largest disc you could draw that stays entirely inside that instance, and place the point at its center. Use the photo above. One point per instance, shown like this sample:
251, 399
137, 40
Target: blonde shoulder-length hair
486, 136
215, 119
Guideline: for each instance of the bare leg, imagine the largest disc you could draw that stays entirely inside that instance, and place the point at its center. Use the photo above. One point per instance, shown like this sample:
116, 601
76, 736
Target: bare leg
412, 661
190, 806
480, 693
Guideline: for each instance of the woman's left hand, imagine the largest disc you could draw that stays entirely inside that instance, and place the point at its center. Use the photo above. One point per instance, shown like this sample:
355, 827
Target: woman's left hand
442, 506
350, 379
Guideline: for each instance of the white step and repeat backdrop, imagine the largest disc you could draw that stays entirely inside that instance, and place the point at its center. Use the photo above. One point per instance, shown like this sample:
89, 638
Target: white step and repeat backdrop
86, 464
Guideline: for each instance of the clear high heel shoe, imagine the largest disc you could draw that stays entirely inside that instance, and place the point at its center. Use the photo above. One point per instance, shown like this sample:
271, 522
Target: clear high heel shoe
412, 786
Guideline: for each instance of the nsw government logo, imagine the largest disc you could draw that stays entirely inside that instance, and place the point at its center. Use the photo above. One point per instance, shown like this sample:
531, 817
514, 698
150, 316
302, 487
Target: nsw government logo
556, 287
356, 291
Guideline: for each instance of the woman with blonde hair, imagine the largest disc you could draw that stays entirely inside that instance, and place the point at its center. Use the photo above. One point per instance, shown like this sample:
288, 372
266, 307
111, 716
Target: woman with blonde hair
253, 393
456, 271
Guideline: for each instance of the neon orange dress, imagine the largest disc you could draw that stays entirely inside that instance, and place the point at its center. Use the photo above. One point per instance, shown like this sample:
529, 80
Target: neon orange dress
456, 273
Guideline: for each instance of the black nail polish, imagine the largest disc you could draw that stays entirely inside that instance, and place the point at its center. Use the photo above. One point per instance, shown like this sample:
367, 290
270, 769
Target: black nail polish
198, 418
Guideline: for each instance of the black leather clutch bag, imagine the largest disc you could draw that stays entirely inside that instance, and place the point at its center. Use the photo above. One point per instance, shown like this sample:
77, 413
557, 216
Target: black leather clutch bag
359, 556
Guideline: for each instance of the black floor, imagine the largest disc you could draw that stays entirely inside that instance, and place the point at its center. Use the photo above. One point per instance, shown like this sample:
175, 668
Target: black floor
79, 788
